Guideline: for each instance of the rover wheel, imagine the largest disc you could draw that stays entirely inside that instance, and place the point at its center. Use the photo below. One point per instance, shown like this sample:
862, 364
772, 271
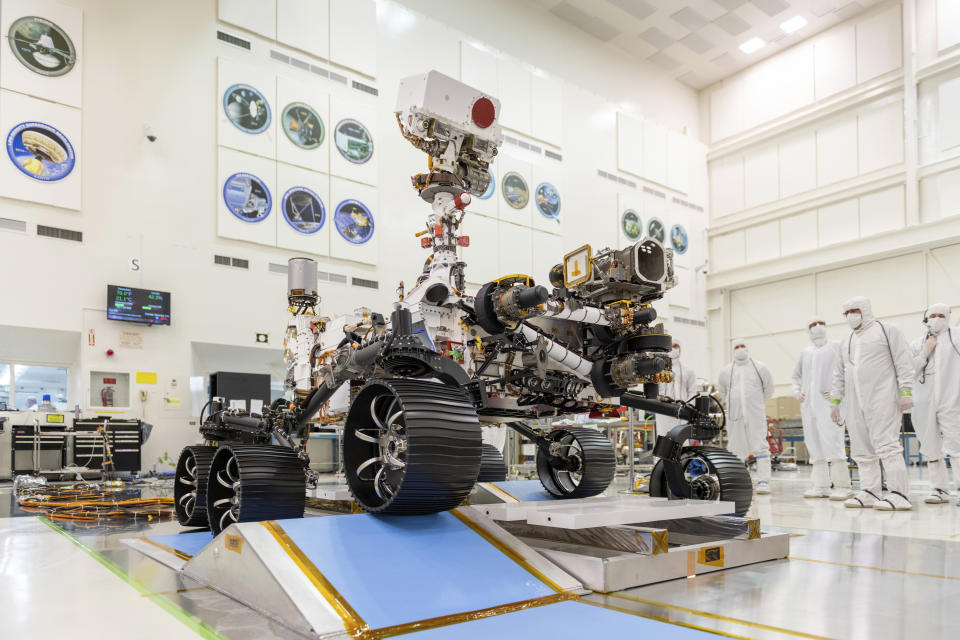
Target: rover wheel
411, 446
492, 467
581, 463
250, 483
190, 485
712, 473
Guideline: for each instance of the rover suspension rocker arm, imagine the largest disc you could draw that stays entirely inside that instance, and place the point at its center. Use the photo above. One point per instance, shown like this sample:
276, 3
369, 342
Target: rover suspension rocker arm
696, 421
553, 457
350, 362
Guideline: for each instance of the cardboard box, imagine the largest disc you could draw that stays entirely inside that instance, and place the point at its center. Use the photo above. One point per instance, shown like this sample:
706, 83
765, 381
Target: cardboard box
783, 407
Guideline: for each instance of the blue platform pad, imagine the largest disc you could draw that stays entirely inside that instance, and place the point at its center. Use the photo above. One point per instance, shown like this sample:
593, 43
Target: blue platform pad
188, 543
398, 569
560, 621
524, 490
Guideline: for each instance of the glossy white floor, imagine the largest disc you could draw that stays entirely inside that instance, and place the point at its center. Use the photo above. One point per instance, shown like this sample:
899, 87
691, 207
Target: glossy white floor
852, 574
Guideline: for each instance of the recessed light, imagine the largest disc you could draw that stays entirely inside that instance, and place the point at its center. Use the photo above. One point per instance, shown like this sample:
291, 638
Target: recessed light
793, 24
752, 45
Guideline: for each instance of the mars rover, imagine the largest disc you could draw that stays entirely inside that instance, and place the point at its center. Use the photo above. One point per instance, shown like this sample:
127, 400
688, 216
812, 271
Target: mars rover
422, 382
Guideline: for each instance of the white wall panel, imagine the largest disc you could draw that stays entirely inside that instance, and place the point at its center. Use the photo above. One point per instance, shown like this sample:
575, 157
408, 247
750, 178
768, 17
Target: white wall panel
756, 88
780, 352
726, 185
547, 251
835, 55
682, 294
249, 216
678, 162
761, 176
351, 25
601, 229
798, 233
541, 213
793, 79
341, 192
259, 16
547, 109
837, 150
699, 186
231, 72
948, 24
654, 152
653, 207
891, 285
362, 111
948, 193
290, 215
798, 164
289, 92
631, 200
726, 116
515, 254
629, 144
727, 251
943, 282
513, 82
304, 24
769, 308
763, 241
15, 180
524, 215
880, 137
478, 68
66, 88
879, 44
839, 222
881, 211
948, 106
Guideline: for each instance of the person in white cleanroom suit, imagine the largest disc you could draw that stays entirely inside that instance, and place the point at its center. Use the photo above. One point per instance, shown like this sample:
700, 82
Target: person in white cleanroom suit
683, 387
812, 377
936, 413
873, 378
745, 385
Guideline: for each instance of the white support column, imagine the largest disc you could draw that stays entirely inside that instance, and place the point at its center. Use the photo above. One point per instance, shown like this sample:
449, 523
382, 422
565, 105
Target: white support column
911, 141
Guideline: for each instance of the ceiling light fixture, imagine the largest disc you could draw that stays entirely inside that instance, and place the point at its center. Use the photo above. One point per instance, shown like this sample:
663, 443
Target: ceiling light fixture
793, 24
751, 45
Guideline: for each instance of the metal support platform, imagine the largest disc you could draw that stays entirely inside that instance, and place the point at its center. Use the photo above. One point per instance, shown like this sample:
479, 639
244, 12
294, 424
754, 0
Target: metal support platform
453, 574
475, 571
618, 542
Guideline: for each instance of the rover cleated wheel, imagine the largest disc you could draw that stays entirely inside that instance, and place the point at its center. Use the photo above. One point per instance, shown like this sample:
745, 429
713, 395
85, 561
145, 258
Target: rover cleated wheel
492, 467
411, 446
250, 483
712, 474
190, 485
581, 463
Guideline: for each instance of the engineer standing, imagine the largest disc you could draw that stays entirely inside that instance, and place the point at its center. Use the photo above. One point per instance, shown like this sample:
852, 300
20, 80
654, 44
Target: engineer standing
873, 378
812, 377
745, 385
936, 414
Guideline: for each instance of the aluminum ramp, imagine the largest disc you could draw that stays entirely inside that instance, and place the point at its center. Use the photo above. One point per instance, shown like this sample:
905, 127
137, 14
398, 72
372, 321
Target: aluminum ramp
453, 574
